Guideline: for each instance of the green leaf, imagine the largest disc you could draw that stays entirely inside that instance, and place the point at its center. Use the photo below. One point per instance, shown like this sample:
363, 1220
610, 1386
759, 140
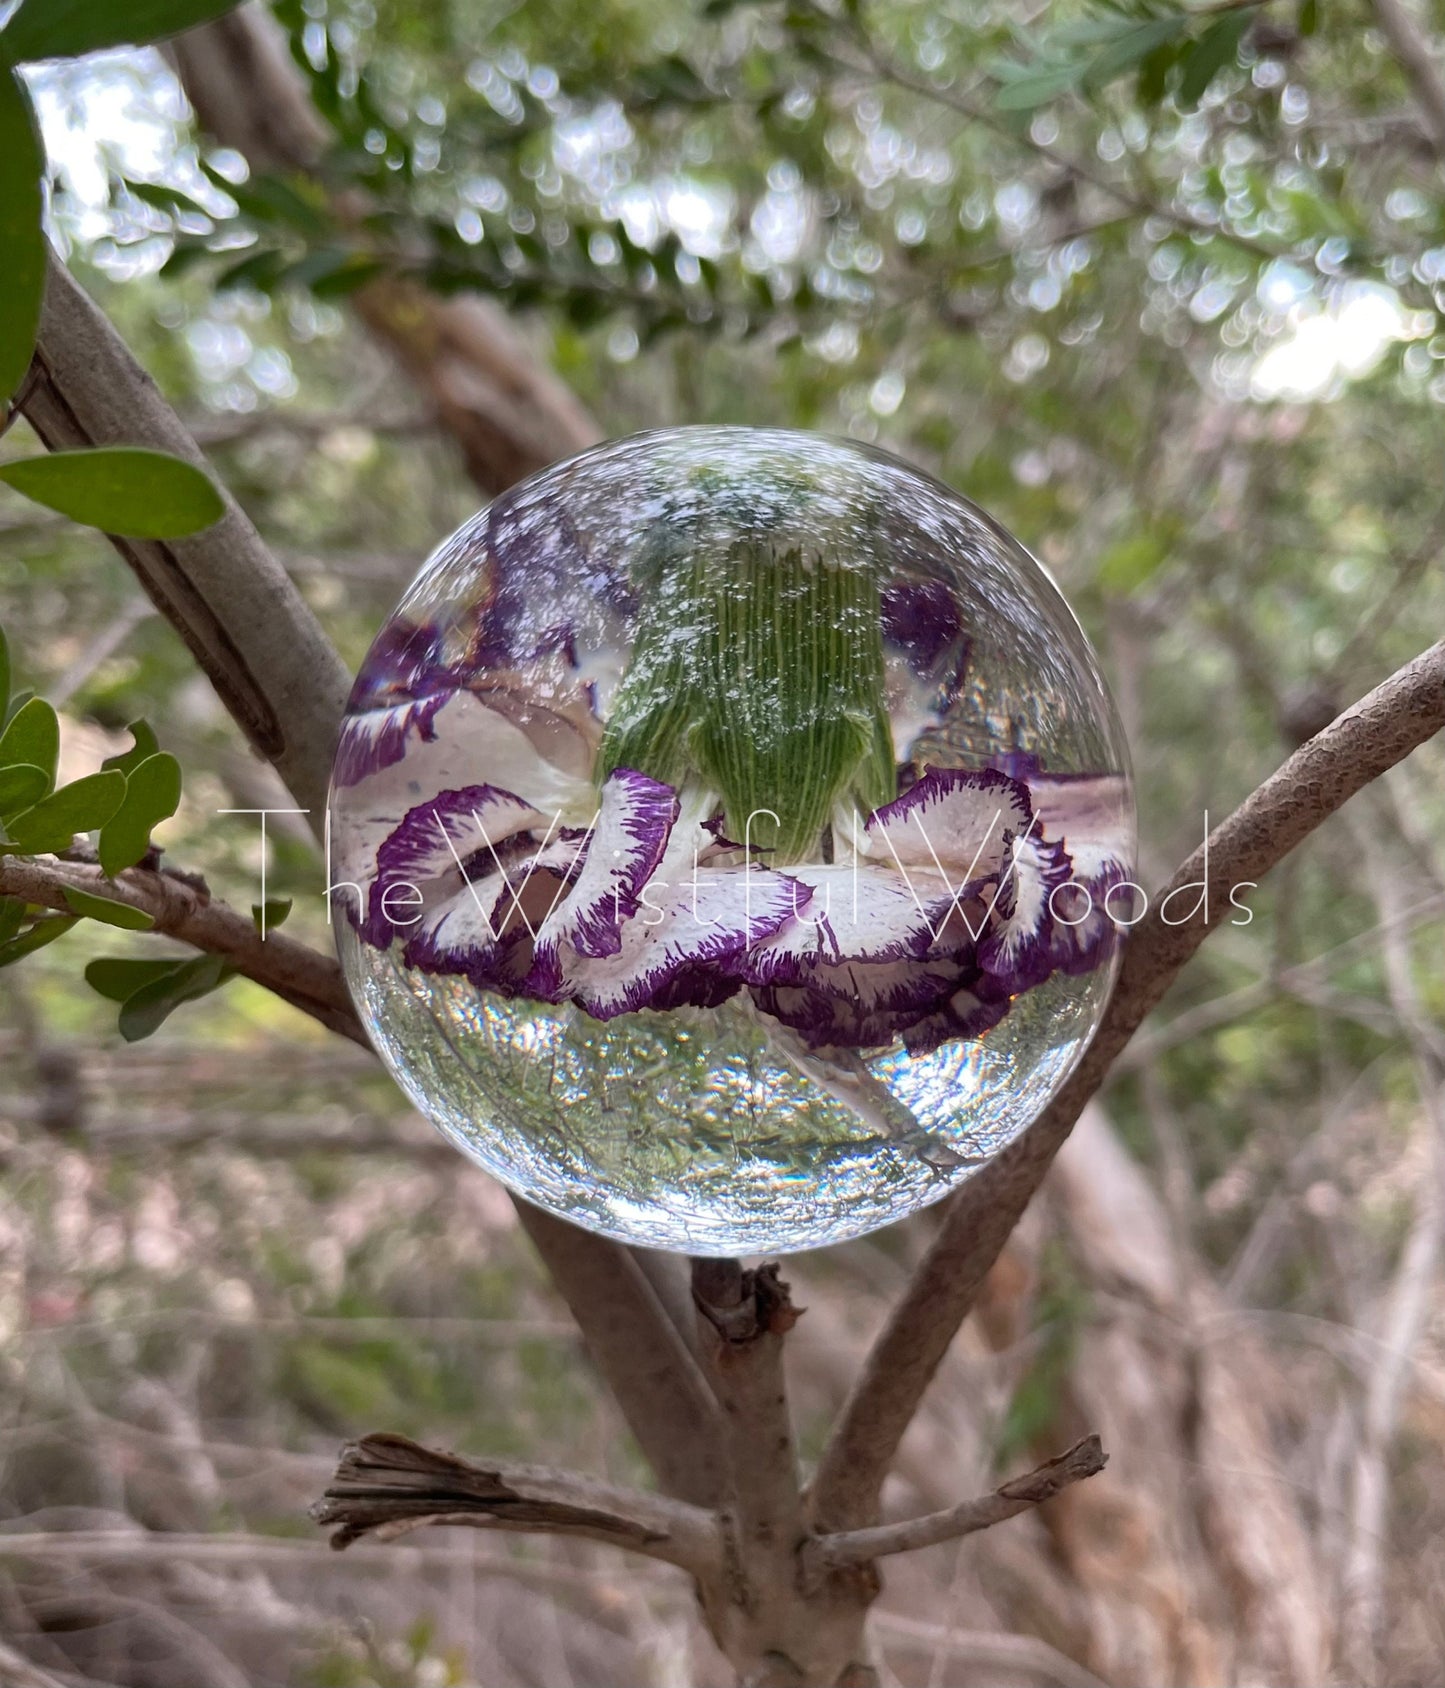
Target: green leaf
22, 785
148, 1009
146, 744
81, 806
120, 489
63, 29
152, 795
108, 911
32, 737
118, 978
22, 274
1025, 92
12, 917
267, 916
163, 197
4, 673
1216, 48
1309, 17
1130, 47
44, 931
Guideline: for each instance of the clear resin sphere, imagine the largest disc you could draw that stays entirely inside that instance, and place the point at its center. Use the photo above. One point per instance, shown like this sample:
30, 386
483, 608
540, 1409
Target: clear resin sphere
728, 832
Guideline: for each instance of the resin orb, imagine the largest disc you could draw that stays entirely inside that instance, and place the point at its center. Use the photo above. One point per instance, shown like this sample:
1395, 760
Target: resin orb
729, 834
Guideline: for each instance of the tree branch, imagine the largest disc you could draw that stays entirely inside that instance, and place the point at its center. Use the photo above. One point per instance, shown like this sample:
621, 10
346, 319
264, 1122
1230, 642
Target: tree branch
743, 1316
1422, 72
859, 1547
296, 973
386, 1486
1322, 775
244, 622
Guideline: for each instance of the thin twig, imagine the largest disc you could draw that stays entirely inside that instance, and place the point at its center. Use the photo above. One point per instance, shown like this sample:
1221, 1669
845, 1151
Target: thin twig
1020, 1494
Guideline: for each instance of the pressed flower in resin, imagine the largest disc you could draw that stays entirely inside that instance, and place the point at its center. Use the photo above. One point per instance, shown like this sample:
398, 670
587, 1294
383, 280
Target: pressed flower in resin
727, 835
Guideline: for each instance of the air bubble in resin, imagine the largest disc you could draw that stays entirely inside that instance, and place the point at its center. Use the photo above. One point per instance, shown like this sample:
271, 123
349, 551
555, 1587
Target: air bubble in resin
727, 830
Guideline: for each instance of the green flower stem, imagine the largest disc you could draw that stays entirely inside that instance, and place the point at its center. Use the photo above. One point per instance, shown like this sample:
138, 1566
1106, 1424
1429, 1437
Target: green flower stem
758, 673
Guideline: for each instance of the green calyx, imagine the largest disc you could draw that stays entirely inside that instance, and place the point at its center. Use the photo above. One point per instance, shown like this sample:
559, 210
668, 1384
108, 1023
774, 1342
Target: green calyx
757, 673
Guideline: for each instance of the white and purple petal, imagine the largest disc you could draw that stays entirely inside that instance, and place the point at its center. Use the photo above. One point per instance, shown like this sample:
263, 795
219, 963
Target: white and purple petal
969, 1012
950, 818
689, 922
471, 744
629, 837
436, 840
1017, 947
494, 915
377, 738
1090, 815
856, 912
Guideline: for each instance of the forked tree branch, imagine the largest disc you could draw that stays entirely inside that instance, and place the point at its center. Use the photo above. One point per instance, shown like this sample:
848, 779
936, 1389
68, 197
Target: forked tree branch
1319, 778
386, 1486
1020, 1494
252, 634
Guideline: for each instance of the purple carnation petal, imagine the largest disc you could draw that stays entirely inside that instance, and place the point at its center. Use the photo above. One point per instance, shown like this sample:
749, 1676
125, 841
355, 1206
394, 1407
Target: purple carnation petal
495, 916
1017, 946
856, 913
435, 840
966, 1014
471, 740
921, 618
629, 836
954, 818
377, 739
685, 924
1089, 814
854, 1011
694, 987
543, 572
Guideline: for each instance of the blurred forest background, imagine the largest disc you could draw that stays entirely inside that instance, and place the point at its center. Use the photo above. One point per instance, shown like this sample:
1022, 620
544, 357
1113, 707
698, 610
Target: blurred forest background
1162, 290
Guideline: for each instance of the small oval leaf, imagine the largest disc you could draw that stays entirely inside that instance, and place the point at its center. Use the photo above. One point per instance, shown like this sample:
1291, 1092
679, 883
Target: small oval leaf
81, 806
108, 911
33, 737
150, 1006
44, 931
118, 977
152, 795
123, 490
12, 918
22, 785
146, 744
